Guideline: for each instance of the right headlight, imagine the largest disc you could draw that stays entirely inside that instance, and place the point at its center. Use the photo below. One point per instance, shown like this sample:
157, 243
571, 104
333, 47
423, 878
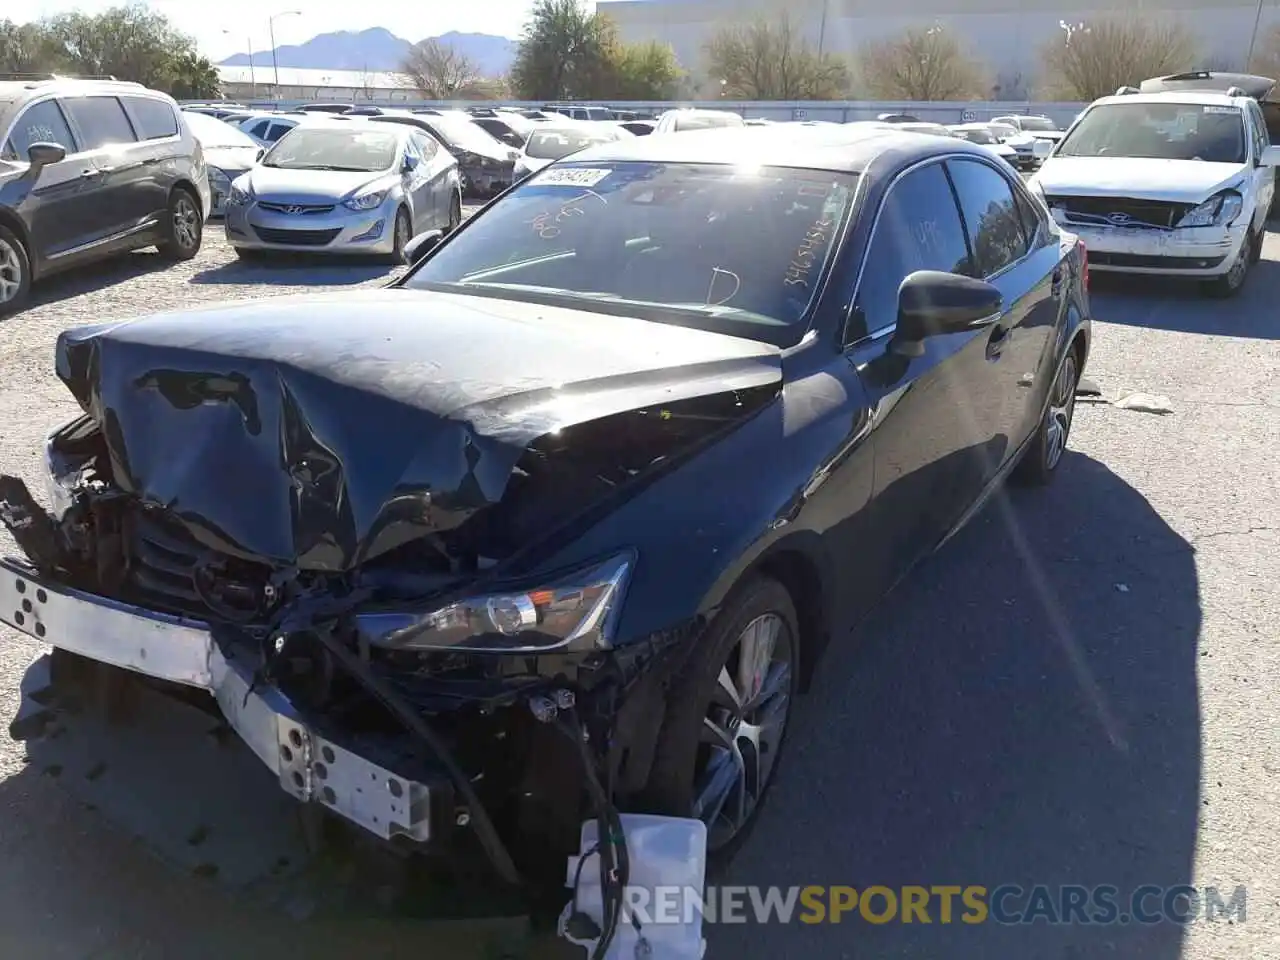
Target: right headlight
240, 195
574, 612
1219, 209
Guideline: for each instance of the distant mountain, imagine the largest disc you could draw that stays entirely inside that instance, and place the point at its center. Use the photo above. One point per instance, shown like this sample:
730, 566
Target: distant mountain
378, 50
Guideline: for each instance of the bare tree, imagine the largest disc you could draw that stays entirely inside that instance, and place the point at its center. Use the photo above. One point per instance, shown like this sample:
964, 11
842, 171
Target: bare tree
1266, 54
922, 63
1096, 58
770, 60
440, 71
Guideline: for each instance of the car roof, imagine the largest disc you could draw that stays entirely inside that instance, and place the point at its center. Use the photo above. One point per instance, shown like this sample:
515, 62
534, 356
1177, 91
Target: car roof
21, 89
1206, 98
1252, 85
841, 148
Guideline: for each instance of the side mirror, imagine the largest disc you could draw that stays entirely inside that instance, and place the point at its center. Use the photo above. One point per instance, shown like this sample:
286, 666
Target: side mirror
1270, 156
42, 154
417, 248
410, 164
262, 152
932, 303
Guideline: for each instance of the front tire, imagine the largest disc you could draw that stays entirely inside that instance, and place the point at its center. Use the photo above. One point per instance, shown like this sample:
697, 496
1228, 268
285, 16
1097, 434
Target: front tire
455, 213
1232, 282
183, 227
400, 239
1043, 454
15, 273
726, 719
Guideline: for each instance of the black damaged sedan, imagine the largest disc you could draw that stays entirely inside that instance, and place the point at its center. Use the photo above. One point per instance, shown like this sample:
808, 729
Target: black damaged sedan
561, 522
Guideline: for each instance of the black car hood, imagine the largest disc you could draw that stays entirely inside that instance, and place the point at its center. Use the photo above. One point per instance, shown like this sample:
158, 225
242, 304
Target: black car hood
320, 431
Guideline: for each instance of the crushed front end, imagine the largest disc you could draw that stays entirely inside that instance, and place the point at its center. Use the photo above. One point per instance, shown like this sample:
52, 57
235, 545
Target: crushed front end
343, 564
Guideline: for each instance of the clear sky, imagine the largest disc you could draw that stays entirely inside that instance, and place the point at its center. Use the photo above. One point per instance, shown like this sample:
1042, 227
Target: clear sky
206, 20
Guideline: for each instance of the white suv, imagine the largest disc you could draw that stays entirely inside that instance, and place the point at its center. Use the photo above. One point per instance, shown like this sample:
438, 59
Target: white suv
1172, 183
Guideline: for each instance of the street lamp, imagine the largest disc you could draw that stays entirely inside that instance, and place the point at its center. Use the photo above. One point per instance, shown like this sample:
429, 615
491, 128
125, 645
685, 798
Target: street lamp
275, 59
1253, 37
253, 78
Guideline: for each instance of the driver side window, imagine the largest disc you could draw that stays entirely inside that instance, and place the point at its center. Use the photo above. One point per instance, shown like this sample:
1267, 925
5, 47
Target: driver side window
918, 228
40, 123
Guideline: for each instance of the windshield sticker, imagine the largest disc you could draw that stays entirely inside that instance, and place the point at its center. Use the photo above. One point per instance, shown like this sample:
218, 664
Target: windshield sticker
1221, 109
547, 224
571, 176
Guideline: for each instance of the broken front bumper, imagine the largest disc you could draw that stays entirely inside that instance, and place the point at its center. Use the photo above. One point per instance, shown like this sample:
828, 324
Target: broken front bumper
308, 766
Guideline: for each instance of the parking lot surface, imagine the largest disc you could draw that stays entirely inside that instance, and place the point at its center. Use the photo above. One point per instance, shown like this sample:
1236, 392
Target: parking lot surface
1079, 689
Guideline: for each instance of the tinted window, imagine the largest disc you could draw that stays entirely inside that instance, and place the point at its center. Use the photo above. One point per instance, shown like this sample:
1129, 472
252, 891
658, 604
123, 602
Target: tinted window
277, 131
1260, 138
259, 128
701, 245
918, 228
41, 123
101, 120
155, 118
990, 214
1031, 218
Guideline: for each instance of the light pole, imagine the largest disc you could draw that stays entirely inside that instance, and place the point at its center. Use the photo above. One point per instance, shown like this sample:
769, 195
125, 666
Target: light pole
1253, 37
275, 58
253, 77
822, 28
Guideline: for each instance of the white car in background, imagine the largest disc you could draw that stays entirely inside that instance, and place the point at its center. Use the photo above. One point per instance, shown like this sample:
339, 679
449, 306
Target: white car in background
1042, 128
1174, 184
981, 133
690, 118
1030, 151
553, 141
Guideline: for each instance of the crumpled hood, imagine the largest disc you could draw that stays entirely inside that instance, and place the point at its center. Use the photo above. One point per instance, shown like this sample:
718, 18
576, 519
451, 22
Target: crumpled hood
320, 431
1181, 181
307, 186
231, 160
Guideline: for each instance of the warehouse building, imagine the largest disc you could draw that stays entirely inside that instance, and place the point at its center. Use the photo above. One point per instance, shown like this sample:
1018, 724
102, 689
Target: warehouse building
345, 86
1005, 34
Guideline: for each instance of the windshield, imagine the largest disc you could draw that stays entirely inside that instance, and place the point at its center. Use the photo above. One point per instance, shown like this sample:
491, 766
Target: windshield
933, 129
1038, 123
462, 134
1003, 130
712, 118
976, 136
1160, 130
554, 144
738, 250
212, 132
318, 148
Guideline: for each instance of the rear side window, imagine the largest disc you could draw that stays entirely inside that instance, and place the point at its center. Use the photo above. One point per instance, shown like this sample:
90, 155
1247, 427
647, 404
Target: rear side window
277, 131
101, 120
918, 228
39, 123
259, 128
990, 215
155, 118
426, 146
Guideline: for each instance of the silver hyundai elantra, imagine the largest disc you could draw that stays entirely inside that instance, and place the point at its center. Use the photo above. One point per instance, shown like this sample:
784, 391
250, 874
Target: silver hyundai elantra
344, 187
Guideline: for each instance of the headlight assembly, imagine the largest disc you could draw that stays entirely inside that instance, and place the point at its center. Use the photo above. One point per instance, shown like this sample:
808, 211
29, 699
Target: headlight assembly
59, 479
573, 613
239, 197
1221, 208
366, 201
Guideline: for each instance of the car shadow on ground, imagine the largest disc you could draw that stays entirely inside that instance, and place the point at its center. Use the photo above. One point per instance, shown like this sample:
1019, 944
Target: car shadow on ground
1162, 303
95, 276
1022, 710
295, 271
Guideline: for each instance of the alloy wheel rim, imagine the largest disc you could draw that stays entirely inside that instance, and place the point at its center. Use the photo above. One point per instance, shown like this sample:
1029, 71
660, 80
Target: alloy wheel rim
1062, 407
1235, 276
10, 272
184, 223
742, 731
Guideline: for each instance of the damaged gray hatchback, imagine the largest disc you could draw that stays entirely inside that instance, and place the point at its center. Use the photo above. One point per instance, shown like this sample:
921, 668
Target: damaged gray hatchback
558, 524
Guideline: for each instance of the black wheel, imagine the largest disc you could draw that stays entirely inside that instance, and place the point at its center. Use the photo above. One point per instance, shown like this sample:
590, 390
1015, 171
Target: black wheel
1044, 452
15, 273
183, 229
1256, 253
403, 234
726, 720
1232, 282
455, 213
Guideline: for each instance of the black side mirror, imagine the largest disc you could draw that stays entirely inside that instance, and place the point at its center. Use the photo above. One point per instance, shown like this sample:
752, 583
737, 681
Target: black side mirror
410, 164
42, 154
932, 303
262, 152
417, 248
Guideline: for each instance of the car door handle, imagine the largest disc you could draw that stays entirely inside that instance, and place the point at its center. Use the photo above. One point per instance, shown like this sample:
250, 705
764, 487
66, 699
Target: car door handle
90, 174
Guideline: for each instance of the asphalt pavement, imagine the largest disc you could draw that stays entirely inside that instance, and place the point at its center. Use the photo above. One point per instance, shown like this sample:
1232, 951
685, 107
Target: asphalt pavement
1079, 689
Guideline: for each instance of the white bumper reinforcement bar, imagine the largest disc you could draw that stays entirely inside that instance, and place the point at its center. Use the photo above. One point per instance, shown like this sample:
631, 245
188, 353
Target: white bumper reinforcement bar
308, 766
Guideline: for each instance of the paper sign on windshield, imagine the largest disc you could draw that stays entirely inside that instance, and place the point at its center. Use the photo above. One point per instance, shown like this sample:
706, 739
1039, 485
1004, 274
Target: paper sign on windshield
571, 176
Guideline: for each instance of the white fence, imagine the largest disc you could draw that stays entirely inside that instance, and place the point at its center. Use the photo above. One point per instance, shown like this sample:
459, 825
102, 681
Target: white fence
839, 111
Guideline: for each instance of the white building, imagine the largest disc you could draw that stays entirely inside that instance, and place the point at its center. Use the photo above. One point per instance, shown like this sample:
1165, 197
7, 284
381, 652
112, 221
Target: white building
1006, 34
259, 83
